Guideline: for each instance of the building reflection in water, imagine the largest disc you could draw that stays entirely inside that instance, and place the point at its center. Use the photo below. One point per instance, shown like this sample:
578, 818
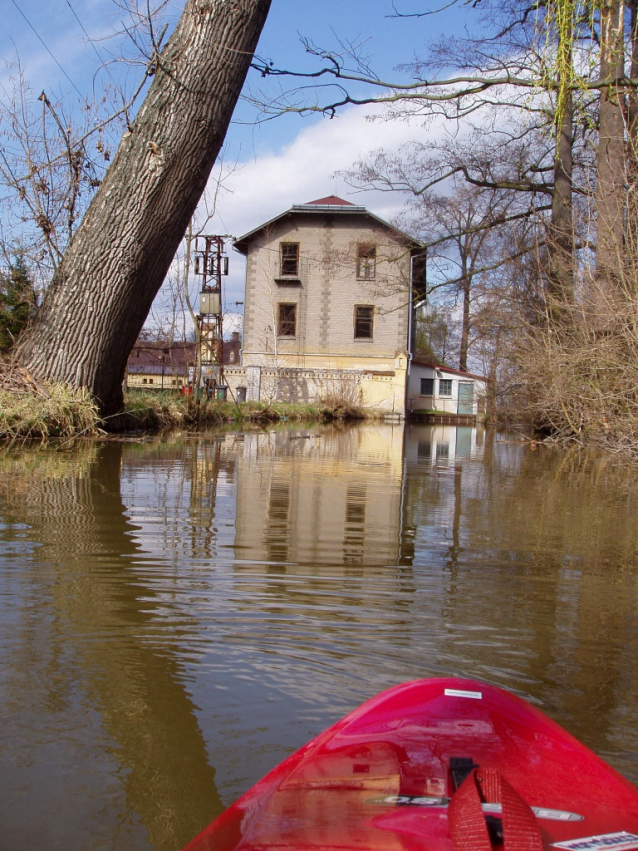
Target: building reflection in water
178, 614
332, 497
430, 444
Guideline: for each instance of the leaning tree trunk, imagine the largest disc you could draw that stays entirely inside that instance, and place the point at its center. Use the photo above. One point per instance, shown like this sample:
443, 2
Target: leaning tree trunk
103, 290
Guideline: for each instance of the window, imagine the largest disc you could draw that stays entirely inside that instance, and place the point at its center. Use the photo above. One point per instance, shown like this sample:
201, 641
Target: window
424, 449
289, 256
366, 262
287, 320
419, 275
445, 387
363, 321
443, 451
427, 387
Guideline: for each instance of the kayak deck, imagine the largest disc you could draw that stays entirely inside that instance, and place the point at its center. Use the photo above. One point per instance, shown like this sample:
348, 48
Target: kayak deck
384, 776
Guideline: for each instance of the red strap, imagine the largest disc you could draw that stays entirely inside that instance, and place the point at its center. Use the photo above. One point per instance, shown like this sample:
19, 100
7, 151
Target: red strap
467, 821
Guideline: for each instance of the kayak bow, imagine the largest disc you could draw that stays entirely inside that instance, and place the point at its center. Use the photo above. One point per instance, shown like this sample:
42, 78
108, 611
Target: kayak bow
439, 764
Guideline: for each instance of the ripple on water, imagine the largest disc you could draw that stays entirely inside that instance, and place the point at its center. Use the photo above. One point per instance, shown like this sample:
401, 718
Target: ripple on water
178, 615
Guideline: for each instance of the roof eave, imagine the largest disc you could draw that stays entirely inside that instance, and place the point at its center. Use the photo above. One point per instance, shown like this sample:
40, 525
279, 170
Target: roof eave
451, 370
241, 243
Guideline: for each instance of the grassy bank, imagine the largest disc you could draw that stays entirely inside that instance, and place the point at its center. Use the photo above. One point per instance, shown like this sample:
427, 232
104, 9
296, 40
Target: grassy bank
163, 410
44, 412
30, 411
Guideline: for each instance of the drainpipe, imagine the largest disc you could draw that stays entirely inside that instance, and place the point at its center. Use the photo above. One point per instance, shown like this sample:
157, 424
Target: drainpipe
410, 291
413, 257
411, 342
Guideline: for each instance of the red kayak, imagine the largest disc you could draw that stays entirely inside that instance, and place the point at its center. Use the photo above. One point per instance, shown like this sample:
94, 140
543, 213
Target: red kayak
435, 765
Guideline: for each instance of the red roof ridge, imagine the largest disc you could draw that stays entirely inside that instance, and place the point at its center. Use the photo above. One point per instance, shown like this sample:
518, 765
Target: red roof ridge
330, 201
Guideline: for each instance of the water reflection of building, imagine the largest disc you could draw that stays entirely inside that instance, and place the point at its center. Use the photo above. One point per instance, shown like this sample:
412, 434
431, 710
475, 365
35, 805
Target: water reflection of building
515, 566
140, 646
332, 496
433, 504
426, 444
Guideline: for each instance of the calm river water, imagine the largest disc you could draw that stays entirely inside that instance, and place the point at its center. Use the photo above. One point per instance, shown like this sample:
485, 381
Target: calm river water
178, 614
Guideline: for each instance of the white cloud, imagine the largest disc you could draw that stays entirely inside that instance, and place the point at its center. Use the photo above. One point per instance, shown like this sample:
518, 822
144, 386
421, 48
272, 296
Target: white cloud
304, 170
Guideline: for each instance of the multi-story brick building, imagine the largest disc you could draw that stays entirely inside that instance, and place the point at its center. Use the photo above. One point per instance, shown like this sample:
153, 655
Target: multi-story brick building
329, 306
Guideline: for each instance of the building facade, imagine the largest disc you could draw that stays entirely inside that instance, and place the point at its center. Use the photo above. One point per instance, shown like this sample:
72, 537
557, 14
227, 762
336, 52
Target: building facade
329, 307
432, 387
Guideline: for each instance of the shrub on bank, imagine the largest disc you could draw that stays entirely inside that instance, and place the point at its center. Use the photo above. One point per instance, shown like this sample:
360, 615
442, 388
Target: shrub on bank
29, 410
153, 409
52, 411
166, 409
578, 379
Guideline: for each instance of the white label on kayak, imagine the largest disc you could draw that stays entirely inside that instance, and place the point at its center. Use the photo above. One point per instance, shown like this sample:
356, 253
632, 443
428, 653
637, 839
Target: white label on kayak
621, 841
556, 815
457, 692
494, 809
411, 800
539, 812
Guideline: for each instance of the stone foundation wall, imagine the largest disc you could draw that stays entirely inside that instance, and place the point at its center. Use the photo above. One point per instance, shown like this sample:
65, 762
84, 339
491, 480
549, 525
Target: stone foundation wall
383, 391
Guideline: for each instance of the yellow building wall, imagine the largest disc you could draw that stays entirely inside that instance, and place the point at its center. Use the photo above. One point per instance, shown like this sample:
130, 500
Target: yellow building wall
153, 381
325, 297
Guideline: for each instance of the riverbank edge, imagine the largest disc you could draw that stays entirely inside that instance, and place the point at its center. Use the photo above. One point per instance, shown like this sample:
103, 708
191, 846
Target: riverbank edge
56, 411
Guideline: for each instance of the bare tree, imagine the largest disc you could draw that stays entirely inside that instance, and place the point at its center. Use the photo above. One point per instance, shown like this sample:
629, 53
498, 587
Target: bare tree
47, 175
54, 153
103, 288
610, 191
458, 230
558, 64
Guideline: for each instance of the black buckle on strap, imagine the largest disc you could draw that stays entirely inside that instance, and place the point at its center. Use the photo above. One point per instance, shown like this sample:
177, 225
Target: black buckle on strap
460, 768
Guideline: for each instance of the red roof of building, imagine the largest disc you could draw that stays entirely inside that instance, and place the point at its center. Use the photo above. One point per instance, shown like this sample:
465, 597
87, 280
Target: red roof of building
174, 358
332, 201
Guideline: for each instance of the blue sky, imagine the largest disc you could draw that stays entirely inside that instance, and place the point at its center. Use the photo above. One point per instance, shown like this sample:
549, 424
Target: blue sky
276, 163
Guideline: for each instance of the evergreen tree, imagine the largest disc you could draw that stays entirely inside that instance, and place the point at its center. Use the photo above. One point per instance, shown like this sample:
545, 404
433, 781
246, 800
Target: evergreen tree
17, 302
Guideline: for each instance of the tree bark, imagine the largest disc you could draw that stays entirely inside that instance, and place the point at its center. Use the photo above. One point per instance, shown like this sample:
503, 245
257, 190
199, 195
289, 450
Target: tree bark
561, 243
561, 229
632, 98
610, 190
103, 289
632, 141
465, 288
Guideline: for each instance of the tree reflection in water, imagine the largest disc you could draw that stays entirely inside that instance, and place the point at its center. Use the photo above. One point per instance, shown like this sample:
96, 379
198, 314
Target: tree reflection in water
180, 613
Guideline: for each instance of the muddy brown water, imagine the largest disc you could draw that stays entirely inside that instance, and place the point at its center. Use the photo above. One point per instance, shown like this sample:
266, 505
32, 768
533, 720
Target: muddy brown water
180, 613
